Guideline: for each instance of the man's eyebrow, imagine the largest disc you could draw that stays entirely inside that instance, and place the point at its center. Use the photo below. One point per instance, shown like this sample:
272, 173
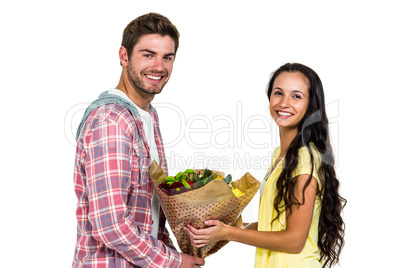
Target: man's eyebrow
152, 52
147, 50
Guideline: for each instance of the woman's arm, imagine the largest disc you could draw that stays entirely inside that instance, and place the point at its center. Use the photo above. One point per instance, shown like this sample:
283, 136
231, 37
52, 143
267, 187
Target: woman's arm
250, 226
290, 240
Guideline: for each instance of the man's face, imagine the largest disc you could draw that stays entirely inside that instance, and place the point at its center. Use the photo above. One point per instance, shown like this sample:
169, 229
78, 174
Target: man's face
151, 63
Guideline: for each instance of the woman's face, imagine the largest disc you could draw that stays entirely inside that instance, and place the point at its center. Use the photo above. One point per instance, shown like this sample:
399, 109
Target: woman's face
289, 99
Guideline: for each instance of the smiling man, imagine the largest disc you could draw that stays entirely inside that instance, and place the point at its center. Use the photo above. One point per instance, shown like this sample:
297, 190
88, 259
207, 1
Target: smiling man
148, 67
120, 221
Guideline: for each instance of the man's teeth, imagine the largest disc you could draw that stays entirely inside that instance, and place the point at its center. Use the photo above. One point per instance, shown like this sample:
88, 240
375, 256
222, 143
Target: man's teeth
284, 114
154, 77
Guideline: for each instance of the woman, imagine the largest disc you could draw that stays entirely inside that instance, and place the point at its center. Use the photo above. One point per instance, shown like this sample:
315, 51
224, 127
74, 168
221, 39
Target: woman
300, 223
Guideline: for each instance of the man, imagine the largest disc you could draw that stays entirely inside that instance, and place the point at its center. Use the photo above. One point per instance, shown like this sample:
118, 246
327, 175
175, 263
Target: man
120, 223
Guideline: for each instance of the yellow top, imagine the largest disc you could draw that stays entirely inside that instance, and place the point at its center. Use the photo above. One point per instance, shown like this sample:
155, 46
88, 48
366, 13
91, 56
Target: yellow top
310, 255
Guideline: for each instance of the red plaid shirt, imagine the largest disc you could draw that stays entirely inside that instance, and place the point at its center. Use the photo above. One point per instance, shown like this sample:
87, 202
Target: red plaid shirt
114, 207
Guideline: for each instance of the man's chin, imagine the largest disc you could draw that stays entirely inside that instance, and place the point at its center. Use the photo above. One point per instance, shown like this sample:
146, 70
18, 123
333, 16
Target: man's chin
154, 91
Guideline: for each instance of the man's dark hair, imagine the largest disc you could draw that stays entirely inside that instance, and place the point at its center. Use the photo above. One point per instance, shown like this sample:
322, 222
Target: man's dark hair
151, 23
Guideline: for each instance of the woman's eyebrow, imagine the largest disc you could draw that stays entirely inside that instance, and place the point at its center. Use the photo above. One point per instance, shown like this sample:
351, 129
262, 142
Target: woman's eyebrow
293, 91
298, 91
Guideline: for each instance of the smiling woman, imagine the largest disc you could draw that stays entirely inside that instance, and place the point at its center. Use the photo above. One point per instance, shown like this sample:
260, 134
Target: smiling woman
289, 100
300, 223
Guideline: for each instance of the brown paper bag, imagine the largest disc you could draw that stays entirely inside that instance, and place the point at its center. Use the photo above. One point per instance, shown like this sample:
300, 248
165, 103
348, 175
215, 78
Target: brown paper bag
214, 201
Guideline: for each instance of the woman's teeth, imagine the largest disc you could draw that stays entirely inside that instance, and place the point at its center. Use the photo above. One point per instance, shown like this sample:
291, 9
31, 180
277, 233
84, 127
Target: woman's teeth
284, 114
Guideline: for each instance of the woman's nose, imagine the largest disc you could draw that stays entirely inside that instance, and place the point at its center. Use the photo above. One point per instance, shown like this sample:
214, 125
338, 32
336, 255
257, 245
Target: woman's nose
284, 103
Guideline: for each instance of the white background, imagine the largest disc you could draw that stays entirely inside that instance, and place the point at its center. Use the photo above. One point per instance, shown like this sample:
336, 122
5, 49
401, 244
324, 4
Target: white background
57, 56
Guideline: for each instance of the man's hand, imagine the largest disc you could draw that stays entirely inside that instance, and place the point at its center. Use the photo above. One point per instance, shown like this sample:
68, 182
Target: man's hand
188, 261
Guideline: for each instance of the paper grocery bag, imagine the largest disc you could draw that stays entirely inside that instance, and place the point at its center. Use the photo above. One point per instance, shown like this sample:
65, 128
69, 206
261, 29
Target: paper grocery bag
214, 201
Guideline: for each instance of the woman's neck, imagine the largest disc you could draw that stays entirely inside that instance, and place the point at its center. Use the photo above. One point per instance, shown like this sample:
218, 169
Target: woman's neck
286, 137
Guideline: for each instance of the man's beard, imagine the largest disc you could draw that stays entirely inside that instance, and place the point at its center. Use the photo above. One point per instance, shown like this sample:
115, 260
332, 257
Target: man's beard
138, 83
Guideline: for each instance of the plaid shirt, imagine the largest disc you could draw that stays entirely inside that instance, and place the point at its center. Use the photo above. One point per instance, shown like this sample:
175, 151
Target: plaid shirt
114, 206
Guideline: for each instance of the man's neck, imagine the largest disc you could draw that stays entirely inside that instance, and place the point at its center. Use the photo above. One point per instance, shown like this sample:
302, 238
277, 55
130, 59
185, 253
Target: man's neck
124, 85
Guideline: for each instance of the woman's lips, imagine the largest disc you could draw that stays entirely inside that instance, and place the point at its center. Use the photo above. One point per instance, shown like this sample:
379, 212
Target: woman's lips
283, 114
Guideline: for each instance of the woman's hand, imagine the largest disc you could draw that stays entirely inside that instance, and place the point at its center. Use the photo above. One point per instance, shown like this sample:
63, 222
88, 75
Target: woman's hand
215, 231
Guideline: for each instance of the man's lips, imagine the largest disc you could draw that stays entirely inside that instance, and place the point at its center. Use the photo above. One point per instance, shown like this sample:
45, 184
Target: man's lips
154, 77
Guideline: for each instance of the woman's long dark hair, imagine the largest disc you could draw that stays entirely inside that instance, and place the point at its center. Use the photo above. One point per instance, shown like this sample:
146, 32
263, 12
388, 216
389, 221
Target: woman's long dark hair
313, 128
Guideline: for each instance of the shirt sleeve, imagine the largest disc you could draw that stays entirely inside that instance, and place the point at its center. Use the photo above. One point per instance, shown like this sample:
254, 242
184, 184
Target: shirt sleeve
108, 169
304, 164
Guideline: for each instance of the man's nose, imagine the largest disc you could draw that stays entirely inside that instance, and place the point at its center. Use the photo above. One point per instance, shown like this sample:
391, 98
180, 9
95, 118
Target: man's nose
157, 64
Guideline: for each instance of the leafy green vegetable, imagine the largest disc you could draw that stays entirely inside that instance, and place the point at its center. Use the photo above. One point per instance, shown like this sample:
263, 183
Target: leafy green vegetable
200, 180
228, 179
204, 181
189, 171
186, 185
170, 178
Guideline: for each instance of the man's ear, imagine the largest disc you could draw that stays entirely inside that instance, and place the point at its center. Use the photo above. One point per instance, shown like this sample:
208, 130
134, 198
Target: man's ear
123, 56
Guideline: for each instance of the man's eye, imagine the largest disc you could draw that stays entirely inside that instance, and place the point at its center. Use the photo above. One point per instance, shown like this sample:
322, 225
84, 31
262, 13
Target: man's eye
169, 58
147, 55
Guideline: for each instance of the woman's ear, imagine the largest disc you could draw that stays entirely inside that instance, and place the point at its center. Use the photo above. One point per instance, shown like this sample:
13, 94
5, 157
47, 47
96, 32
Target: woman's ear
123, 56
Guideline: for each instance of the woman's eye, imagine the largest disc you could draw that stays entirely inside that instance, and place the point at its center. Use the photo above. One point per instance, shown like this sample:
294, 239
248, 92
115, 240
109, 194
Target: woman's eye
297, 96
